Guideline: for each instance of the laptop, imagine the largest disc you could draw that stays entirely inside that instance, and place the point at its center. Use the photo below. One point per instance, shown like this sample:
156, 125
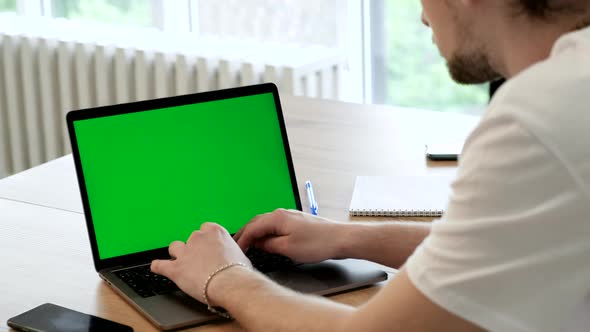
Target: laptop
151, 172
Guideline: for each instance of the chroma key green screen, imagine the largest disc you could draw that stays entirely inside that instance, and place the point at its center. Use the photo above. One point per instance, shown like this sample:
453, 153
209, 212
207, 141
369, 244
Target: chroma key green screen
153, 177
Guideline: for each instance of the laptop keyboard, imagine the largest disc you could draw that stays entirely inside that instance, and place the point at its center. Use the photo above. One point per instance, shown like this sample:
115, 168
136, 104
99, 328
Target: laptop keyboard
266, 262
146, 283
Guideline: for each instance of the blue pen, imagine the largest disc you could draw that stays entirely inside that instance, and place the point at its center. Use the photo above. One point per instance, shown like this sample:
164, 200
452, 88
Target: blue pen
313, 204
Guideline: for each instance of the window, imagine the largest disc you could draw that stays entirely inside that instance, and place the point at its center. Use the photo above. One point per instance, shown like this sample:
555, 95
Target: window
302, 21
7, 5
124, 12
389, 54
407, 67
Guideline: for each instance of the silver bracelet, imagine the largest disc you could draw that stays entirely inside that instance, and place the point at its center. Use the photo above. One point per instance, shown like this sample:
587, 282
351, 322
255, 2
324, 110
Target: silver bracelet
209, 307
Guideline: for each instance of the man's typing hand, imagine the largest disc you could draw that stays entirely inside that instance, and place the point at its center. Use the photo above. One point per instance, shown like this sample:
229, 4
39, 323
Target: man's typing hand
300, 236
205, 251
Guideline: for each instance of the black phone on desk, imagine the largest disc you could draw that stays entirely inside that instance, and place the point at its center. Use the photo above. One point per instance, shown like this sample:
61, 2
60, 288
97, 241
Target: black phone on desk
53, 318
443, 151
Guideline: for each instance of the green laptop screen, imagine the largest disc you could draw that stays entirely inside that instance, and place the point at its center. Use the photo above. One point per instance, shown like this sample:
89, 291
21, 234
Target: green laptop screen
153, 177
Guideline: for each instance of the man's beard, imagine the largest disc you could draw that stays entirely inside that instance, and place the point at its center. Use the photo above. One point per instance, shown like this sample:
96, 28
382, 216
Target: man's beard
474, 68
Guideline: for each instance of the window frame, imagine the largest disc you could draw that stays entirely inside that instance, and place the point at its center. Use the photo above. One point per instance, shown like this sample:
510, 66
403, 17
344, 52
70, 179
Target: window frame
182, 16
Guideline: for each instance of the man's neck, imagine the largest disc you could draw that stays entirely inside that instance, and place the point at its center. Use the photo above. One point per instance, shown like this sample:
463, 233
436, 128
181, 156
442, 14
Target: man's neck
525, 45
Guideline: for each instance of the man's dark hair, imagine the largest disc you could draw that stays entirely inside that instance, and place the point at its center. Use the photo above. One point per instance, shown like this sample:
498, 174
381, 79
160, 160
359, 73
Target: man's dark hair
536, 8
546, 9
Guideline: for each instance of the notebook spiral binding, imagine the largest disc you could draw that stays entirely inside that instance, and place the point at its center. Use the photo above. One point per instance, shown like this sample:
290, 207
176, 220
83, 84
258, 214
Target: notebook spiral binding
396, 213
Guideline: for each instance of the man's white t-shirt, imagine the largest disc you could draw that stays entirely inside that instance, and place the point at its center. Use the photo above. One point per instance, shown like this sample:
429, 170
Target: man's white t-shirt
512, 252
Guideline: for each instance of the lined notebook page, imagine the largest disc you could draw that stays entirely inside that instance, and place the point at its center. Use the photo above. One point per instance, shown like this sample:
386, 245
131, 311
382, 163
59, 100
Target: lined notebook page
400, 196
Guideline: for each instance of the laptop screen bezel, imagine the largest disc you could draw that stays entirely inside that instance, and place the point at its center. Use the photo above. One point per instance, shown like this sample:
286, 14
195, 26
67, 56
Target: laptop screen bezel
148, 105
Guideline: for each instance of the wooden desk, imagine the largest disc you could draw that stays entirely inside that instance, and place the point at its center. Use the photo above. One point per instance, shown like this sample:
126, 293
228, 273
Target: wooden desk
44, 247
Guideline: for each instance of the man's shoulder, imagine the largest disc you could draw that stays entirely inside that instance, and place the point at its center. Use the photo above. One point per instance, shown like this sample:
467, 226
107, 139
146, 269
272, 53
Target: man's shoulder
555, 88
550, 100
561, 80
552, 89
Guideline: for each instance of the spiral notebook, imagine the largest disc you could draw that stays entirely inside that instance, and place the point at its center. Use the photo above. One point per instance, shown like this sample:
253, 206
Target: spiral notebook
400, 196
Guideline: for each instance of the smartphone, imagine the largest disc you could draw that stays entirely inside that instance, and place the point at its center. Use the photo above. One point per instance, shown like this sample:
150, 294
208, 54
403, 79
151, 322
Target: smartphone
443, 151
53, 318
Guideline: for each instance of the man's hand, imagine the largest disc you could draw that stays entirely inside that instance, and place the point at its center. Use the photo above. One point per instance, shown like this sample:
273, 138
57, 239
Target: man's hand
205, 251
297, 235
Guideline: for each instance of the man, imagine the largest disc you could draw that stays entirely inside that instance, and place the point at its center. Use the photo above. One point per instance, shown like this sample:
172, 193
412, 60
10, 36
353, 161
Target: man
512, 253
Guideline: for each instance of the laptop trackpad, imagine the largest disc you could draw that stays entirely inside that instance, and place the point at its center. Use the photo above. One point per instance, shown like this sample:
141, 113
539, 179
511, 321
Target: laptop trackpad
297, 280
329, 277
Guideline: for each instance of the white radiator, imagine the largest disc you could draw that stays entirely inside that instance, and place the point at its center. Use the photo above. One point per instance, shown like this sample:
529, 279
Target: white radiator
43, 77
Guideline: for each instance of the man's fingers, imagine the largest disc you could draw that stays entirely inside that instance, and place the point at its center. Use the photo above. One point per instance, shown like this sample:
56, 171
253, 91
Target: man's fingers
162, 267
255, 219
176, 249
274, 245
253, 232
239, 233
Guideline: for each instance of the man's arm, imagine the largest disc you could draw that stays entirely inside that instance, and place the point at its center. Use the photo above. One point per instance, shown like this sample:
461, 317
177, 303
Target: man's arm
258, 304
389, 244
306, 238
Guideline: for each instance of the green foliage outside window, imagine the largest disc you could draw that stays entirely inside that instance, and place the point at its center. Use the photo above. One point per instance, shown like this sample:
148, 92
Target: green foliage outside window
417, 74
7, 5
125, 12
